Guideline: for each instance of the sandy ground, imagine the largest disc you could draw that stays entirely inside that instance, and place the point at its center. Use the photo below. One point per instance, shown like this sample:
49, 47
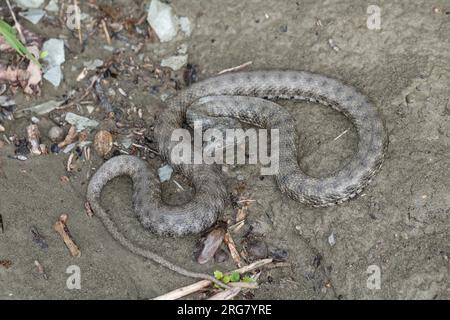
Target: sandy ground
400, 223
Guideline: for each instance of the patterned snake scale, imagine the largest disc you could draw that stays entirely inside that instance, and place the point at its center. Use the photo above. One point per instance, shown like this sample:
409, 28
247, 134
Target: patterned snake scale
246, 97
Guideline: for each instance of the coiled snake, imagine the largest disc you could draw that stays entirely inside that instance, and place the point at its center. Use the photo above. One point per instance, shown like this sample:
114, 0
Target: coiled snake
244, 96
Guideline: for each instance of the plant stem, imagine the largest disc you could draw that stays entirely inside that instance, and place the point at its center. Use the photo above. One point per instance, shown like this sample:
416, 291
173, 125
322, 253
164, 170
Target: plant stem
17, 24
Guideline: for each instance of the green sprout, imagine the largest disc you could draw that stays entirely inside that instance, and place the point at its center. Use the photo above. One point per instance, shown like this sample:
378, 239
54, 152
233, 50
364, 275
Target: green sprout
9, 33
232, 277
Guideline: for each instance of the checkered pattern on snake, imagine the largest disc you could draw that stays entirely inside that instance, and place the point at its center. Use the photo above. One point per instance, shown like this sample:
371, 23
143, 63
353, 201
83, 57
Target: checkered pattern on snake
244, 96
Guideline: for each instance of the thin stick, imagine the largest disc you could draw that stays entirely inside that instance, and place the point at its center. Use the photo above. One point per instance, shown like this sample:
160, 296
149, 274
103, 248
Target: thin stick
244, 285
340, 135
17, 24
232, 247
77, 18
105, 30
245, 201
61, 227
226, 294
145, 148
237, 68
253, 266
237, 226
184, 291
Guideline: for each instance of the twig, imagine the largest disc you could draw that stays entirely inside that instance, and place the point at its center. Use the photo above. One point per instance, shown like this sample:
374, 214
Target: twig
184, 291
145, 148
61, 227
69, 162
232, 247
341, 134
254, 265
279, 265
17, 24
226, 294
245, 201
237, 226
105, 30
244, 285
77, 18
237, 68
178, 185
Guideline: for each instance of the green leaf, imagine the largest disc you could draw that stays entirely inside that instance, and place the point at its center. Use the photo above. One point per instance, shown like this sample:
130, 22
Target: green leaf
248, 279
9, 33
226, 279
235, 276
218, 274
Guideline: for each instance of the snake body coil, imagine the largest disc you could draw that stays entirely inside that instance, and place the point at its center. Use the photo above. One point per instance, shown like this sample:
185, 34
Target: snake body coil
242, 96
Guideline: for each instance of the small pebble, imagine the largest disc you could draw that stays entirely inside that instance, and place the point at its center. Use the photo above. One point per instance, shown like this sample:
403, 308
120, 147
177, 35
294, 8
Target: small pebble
317, 261
22, 148
56, 134
165, 173
54, 148
185, 25
22, 157
38, 238
409, 98
103, 142
331, 239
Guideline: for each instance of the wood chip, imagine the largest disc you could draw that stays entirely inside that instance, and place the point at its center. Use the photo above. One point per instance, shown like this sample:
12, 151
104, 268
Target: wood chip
71, 137
232, 247
61, 227
41, 269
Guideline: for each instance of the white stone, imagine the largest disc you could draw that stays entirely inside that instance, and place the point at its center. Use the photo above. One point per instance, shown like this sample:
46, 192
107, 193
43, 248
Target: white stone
90, 109
52, 6
162, 20
33, 15
54, 59
93, 64
185, 25
165, 173
331, 239
174, 62
81, 123
182, 49
55, 50
54, 75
